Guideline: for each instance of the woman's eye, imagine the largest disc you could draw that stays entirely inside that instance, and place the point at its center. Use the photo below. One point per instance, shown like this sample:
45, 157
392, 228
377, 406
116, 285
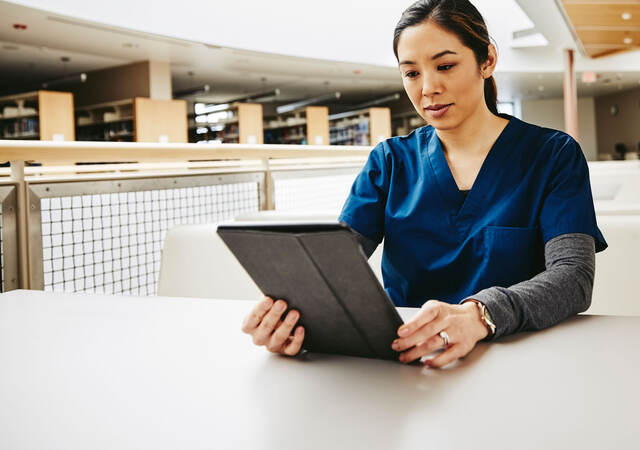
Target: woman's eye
445, 67
411, 74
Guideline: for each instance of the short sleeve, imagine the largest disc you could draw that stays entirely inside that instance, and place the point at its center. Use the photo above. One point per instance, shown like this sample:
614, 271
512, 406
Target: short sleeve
365, 206
568, 203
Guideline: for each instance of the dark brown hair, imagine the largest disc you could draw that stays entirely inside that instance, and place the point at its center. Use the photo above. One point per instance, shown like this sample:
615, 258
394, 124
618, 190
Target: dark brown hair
461, 18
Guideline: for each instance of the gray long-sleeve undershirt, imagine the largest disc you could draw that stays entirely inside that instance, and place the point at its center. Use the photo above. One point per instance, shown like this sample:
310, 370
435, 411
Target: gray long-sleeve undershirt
561, 291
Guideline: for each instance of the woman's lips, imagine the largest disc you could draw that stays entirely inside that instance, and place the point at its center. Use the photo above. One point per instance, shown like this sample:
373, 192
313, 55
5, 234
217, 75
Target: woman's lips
438, 113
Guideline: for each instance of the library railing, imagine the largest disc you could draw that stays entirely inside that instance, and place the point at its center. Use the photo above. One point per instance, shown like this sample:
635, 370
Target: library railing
91, 217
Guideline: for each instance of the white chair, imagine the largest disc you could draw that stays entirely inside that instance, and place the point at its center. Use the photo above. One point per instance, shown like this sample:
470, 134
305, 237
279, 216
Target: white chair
196, 263
619, 186
615, 290
616, 191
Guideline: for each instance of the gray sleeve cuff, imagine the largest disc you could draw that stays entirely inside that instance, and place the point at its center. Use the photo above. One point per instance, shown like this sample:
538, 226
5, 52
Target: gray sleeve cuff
497, 304
561, 291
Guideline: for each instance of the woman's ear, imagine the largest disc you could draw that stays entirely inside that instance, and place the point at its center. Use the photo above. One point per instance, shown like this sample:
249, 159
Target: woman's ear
489, 66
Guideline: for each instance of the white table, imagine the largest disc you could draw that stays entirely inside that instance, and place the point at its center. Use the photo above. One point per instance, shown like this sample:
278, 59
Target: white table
97, 372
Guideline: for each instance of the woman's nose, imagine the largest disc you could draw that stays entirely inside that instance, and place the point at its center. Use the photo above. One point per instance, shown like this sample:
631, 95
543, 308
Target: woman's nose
430, 85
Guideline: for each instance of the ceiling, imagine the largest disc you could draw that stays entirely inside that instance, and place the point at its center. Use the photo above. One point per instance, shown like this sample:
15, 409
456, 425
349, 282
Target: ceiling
30, 56
604, 27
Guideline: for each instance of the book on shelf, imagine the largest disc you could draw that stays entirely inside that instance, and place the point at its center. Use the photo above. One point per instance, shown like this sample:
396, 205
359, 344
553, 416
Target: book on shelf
25, 128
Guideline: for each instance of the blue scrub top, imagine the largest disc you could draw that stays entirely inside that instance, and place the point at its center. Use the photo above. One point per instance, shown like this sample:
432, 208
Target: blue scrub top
532, 186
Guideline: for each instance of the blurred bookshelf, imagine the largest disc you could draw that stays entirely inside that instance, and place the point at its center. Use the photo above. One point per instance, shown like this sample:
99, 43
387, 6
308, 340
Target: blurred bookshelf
236, 123
133, 120
308, 126
361, 127
108, 122
38, 115
405, 123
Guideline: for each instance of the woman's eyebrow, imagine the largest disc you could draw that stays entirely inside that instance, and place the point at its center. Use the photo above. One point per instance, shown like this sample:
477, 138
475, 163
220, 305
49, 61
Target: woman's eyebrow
442, 53
434, 57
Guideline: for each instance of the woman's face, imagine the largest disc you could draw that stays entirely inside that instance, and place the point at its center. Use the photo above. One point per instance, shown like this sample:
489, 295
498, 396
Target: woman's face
440, 75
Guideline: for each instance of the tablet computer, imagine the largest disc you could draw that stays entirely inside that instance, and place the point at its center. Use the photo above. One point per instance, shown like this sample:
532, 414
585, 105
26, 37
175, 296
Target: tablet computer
321, 271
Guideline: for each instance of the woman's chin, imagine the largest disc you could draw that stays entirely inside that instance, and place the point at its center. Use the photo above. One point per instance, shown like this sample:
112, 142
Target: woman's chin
443, 124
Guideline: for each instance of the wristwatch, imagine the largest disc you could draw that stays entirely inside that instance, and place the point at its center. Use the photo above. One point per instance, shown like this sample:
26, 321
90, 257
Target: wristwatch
485, 317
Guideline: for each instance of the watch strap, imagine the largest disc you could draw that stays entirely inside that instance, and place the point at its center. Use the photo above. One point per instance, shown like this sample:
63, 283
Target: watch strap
485, 317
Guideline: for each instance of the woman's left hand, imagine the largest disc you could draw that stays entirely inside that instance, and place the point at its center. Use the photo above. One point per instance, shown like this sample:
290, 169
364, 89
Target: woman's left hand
420, 336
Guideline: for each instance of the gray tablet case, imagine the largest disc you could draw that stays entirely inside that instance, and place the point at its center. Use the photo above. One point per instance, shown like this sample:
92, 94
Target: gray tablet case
321, 271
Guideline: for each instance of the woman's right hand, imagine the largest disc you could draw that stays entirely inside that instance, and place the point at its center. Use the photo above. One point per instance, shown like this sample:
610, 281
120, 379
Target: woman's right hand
267, 327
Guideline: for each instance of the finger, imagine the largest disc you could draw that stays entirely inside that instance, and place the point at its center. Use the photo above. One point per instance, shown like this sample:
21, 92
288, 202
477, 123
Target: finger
267, 345
262, 334
421, 335
254, 318
451, 354
428, 312
296, 343
426, 348
283, 331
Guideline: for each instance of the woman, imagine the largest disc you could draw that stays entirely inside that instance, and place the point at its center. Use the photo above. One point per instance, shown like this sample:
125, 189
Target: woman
490, 216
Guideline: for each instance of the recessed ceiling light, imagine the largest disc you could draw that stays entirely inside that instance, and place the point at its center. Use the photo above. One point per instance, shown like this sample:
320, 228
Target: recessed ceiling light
626, 16
541, 88
627, 40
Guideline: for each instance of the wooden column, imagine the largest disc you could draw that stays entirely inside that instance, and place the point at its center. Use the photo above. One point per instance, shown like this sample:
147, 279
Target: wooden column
56, 116
160, 120
379, 125
250, 123
570, 96
22, 215
317, 125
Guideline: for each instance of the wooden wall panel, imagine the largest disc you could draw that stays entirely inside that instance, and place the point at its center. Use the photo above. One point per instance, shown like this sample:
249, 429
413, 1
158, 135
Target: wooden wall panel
600, 26
379, 124
584, 14
56, 116
160, 120
250, 123
595, 51
317, 125
609, 37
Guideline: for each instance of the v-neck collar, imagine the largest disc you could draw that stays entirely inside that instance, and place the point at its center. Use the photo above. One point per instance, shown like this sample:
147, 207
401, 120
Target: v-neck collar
454, 199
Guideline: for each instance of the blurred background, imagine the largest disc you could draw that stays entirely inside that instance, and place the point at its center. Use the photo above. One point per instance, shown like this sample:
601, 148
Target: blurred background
211, 53
123, 121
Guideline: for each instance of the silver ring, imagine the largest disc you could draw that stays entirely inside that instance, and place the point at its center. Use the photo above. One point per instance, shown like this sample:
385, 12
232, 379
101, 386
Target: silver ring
445, 337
